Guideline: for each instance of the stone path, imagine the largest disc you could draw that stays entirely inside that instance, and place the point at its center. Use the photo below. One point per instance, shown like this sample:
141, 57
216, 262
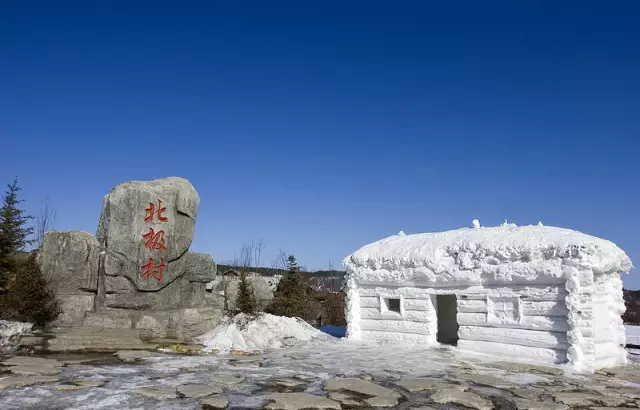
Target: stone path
314, 377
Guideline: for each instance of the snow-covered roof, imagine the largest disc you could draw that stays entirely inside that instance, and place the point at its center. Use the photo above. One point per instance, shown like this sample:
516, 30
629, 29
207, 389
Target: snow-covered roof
504, 253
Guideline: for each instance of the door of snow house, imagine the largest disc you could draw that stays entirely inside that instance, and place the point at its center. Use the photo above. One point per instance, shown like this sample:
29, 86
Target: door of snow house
447, 312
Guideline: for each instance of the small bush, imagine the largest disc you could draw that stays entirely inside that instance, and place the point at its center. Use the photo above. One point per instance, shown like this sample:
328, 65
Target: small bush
246, 300
29, 297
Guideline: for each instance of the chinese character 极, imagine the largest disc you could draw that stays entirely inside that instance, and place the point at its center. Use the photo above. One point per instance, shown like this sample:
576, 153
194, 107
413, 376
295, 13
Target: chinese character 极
154, 240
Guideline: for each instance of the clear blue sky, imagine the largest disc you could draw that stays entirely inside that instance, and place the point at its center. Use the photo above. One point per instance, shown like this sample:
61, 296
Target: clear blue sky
323, 126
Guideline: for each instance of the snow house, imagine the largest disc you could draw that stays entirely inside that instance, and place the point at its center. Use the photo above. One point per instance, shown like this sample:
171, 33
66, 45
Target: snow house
532, 294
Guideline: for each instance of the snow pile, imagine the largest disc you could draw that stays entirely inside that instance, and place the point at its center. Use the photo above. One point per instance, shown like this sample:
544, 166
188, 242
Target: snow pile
258, 333
10, 333
501, 254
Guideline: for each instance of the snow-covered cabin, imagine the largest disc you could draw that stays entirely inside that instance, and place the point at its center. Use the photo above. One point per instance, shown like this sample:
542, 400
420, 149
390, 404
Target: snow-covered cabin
529, 293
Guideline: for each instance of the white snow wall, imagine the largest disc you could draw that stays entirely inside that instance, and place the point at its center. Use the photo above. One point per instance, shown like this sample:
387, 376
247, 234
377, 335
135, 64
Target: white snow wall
576, 322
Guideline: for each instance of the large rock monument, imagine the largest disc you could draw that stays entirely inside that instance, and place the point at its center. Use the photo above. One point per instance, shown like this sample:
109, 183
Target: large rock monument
137, 273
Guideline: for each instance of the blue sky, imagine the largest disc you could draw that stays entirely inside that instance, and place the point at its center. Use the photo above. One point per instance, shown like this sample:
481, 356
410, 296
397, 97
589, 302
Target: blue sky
323, 126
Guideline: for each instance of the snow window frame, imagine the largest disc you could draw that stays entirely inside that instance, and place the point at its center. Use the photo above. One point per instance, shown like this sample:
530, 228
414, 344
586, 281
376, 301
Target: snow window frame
504, 310
385, 310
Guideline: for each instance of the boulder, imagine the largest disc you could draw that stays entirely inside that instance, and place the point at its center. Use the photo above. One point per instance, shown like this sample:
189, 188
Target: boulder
70, 261
200, 267
262, 290
73, 308
214, 403
146, 228
197, 391
466, 399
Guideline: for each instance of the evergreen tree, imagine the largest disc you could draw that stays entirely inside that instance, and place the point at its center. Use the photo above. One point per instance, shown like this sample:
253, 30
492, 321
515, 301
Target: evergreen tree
14, 233
246, 300
30, 299
290, 296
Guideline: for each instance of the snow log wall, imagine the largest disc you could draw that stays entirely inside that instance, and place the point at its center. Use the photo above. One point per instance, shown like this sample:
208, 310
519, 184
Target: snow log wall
543, 324
518, 320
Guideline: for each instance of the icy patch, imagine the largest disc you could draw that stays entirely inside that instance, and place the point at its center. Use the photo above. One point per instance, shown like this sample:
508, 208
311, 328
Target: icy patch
248, 333
10, 333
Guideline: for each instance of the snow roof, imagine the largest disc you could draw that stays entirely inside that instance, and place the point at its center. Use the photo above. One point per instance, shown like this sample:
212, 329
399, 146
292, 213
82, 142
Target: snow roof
527, 249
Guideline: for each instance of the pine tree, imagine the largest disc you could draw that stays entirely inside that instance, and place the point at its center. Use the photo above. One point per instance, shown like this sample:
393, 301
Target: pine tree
246, 300
30, 299
14, 233
290, 296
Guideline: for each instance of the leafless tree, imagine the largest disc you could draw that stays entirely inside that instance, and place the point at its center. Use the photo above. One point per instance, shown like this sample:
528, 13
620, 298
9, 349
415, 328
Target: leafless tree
331, 264
257, 247
44, 221
281, 261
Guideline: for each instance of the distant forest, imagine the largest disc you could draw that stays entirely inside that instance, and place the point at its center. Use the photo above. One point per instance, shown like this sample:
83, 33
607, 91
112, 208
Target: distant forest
222, 268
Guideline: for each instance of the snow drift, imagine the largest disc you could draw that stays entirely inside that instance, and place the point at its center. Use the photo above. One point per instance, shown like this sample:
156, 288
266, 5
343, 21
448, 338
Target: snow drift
258, 333
10, 333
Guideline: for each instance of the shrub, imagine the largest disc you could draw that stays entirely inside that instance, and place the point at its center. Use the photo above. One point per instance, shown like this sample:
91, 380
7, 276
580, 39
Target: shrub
29, 297
246, 300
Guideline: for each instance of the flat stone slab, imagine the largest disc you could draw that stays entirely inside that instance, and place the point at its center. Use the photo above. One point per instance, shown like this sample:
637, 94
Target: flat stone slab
227, 380
529, 393
15, 382
160, 393
80, 385
456, 396
288, 383
485, 380
28, 361
427, 384
345, 399
214, 403
628, 392
197, 391
299, 401
526, 404
35, 371
377, 396
525, 368
588, 400
134, 355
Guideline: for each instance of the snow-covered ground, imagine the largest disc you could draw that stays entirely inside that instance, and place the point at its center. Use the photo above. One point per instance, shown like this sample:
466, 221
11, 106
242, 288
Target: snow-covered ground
10, 333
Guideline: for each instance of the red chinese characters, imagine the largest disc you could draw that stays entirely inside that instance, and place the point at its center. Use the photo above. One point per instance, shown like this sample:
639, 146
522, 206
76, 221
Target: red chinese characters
152, 211
150, 269
154, 241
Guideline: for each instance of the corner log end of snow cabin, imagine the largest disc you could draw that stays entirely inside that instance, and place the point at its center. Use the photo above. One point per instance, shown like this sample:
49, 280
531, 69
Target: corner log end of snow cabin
533, 294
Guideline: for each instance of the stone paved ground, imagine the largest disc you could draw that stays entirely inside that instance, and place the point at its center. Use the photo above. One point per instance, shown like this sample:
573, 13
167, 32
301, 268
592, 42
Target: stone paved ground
326, 375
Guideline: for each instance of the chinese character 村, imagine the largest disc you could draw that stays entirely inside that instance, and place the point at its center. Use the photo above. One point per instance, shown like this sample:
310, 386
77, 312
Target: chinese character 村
150, 269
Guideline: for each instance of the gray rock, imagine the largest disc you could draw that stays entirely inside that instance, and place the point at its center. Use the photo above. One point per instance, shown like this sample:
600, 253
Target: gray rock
166, 209
378, 396
214, 403
261, 289
192, 322
70, 261
80, 385
155, 392
28, 361
153, 325
74, 308
288, 382
347, 400
109, 319
118, 284
299, 401
529, 393
227, 380
577, 399
526, 404
35, 370
629, 392
134, 355
526, 368
15, 382
197, 391
427, 384
456, 396
199, 267
484, 380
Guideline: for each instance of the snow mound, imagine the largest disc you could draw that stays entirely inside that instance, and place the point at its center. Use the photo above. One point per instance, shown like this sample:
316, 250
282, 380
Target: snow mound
10, 333
258, 333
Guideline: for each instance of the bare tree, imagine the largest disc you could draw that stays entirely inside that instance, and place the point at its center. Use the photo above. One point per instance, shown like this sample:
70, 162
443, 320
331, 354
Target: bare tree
258, 247
281, 261
44, 221
331, 264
